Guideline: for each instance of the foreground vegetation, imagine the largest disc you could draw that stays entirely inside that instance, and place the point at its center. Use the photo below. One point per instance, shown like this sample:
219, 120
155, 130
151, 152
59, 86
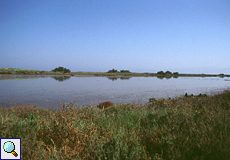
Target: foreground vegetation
189, 127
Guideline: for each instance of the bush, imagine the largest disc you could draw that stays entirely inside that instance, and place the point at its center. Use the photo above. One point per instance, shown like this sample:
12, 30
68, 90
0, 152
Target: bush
221, 75
61, 69
105, 104
168, 72
112, 71
161, 72
175, 73
124, 71
20, 72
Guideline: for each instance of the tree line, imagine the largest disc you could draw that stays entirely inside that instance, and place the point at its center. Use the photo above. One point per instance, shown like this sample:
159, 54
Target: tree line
116, 71
167, 73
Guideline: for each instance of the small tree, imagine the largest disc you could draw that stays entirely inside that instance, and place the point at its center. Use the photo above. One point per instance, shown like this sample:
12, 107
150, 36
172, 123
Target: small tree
221, 75
168, 72
112, 71
175, 73
61, 69
161, 72
124, 71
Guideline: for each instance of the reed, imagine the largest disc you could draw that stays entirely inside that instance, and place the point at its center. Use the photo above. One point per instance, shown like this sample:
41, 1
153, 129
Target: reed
192, 127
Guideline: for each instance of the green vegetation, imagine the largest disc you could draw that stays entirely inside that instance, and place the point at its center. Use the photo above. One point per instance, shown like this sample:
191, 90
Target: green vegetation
221, 75
121, 71
113, 72
160, 73
61, 70
129, 74
192, 127
167, 73
17, 71
125, 71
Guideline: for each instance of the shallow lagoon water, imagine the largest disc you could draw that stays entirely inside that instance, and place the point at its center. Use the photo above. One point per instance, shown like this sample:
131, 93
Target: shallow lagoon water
49, 91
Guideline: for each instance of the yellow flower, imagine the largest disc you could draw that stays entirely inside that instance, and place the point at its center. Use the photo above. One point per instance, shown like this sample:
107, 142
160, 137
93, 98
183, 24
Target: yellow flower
6, 69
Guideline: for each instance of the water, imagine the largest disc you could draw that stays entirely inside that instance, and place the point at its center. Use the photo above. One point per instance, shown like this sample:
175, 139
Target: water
49, 91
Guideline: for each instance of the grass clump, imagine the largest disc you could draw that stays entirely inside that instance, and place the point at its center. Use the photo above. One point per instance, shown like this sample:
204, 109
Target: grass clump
192, 127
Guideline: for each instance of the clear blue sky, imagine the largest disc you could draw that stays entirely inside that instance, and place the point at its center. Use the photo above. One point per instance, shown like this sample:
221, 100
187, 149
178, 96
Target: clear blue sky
188, 36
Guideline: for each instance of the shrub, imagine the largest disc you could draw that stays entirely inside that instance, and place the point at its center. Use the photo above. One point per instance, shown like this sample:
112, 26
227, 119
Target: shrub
20, 72
161, 72
112, 71
61, 69
221, 75
175, 73
105, 104
124, 71
168, 72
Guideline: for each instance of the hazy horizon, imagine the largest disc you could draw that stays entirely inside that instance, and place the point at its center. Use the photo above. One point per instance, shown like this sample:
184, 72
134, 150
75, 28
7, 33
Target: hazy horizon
140, 36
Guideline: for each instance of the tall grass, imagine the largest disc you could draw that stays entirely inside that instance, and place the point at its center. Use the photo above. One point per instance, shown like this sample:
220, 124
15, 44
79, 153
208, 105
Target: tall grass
14, 71
181, 128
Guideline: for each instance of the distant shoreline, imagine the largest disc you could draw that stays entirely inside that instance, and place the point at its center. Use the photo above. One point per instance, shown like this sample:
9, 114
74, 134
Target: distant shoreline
104, 74
113, 72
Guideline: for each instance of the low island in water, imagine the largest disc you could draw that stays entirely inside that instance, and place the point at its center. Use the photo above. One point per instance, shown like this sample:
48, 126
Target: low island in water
113, 72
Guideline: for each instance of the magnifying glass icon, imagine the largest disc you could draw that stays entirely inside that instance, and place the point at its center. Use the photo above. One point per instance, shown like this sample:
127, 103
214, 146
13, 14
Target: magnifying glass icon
9, 147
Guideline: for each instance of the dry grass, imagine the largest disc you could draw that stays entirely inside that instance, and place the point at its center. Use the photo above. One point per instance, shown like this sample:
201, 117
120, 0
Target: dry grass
105, 105
181, 128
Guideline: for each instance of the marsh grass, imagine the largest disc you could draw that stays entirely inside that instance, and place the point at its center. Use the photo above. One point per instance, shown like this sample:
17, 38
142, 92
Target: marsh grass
15, 71
181, 128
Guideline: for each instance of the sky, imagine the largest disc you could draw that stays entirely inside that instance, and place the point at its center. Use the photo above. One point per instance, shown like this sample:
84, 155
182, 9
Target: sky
185, 36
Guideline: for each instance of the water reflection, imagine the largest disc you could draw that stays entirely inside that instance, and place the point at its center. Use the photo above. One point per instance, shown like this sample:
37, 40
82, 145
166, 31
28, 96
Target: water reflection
113, 78
125, 78
24, 77
160, 77
8, 77
167, 77
121, 78
60, 78
46, 91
